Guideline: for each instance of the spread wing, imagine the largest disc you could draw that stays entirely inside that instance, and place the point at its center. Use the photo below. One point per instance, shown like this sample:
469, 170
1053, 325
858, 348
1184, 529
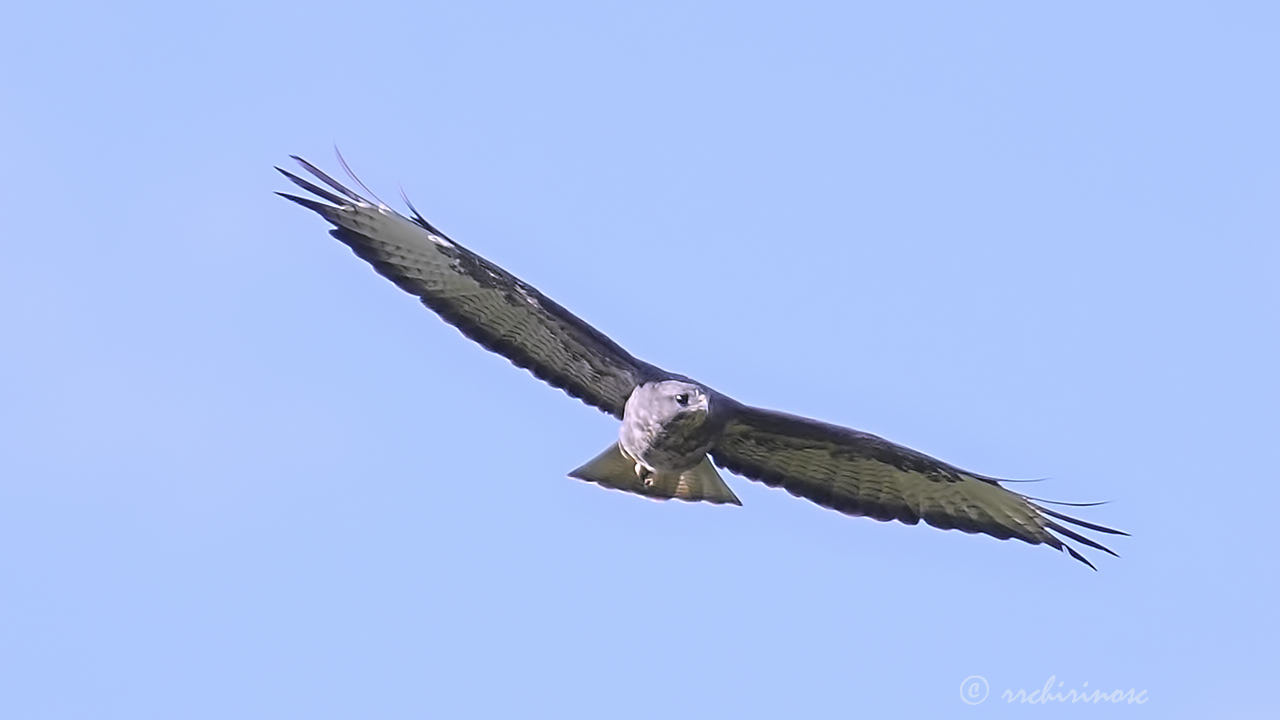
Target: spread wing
858, 473
488, 304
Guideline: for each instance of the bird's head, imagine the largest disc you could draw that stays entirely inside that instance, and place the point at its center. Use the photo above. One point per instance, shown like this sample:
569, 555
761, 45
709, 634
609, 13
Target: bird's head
685, 398
670, 401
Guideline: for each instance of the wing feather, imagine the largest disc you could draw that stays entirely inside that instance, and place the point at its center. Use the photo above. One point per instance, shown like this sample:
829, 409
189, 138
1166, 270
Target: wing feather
485, 302
858, 473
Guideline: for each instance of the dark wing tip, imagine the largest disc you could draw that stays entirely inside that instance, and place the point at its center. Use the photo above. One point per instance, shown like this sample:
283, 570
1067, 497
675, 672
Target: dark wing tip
324, 177
351, 174
1075, 554
1067, 533
346, 193
1078, 522
417, 217
328, 212
1064, 503
312, 187
1073, 535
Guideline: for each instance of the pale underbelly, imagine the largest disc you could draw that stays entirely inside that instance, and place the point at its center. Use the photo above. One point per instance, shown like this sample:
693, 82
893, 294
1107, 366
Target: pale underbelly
665, 452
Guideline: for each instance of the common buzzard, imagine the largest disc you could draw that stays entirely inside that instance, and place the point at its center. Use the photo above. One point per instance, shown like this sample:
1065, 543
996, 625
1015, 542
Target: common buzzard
674, 428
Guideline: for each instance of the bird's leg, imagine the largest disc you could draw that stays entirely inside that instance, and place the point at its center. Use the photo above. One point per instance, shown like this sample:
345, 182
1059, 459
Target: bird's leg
645, 474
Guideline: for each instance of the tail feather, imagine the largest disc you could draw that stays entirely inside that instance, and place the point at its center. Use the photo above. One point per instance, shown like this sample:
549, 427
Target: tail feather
613, 469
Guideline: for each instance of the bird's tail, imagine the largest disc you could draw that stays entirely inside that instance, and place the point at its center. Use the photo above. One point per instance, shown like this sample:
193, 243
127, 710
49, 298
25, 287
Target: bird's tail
613, 469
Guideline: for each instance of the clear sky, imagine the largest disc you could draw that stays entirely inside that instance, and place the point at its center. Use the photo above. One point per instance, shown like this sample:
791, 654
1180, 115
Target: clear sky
241, 476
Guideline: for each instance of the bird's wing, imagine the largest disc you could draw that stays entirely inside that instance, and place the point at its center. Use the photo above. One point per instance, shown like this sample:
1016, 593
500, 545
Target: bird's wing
488, 304
858, 473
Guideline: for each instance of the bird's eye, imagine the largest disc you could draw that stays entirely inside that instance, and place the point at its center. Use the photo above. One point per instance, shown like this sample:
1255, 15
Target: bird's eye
682, 399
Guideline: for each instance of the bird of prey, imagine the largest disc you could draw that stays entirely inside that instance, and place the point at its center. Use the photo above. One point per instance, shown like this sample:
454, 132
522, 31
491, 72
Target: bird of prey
674, 428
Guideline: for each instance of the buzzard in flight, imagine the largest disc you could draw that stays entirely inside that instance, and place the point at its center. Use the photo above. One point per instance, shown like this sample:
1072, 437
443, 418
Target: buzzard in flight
674, 428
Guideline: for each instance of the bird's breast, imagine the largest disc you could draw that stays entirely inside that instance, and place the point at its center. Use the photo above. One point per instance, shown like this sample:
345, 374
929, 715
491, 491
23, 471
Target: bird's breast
672, 446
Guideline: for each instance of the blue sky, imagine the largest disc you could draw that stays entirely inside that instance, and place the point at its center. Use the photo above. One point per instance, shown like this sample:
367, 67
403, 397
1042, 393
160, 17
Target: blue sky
242, 476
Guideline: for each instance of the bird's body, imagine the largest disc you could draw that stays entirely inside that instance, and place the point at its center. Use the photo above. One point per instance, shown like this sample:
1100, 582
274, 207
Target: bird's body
673, 427
668, 425
668, 428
